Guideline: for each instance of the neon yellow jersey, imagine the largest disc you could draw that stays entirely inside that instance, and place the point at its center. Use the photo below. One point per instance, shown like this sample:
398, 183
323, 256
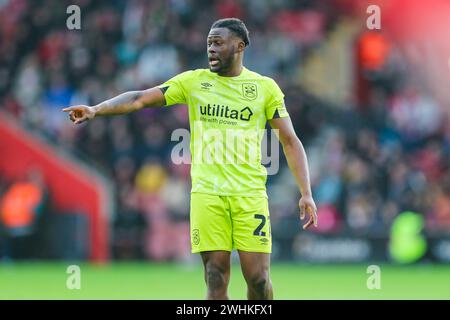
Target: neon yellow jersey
227, 117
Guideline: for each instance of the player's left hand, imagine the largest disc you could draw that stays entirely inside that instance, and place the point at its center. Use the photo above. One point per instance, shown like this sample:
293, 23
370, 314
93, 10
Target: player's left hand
307, 205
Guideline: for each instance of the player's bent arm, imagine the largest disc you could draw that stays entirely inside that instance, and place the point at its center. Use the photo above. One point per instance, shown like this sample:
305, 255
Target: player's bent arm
298, 164
131, 101
294, 152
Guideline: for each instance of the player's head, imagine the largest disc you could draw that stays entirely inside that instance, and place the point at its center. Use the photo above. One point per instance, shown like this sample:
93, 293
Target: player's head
227, 40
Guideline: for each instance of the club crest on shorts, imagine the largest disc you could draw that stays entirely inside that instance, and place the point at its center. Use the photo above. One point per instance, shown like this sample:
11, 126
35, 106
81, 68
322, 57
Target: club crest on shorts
250, 91
195, 236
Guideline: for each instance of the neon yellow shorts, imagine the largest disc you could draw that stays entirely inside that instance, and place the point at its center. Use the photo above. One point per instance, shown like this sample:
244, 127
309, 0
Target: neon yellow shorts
230, 222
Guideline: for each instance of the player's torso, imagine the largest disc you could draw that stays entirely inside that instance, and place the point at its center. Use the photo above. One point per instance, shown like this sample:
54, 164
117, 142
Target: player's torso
227, 118
226, 102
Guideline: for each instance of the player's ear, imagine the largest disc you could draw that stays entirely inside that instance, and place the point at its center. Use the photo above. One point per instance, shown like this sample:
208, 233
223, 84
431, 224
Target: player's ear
240, 46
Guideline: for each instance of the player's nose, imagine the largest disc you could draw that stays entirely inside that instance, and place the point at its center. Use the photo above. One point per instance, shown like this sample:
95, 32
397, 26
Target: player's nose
211, 50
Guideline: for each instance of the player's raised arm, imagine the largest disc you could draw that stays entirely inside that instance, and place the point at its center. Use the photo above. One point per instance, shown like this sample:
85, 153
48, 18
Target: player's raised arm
298, 164
124, 103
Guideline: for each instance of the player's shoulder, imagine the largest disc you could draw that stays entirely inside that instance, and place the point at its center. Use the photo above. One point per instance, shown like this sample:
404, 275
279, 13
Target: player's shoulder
194, 74
198, 72
265, 80
267, 86
186, 74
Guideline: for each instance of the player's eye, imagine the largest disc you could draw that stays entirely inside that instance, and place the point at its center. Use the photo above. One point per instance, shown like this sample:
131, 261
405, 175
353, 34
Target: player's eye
217, 43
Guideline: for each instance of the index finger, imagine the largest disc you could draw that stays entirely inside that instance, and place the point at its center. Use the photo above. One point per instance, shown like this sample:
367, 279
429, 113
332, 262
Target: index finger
313, 214
69, 109
302, 211
315, 218
310, 221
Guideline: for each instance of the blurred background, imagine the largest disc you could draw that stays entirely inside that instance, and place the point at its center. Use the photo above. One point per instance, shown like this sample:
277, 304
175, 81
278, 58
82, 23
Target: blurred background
372, 108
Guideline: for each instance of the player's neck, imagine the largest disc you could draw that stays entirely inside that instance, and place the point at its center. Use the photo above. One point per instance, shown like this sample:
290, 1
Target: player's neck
233, 72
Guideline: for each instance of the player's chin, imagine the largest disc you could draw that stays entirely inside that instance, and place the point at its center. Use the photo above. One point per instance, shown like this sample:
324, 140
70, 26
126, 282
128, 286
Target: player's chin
215, 69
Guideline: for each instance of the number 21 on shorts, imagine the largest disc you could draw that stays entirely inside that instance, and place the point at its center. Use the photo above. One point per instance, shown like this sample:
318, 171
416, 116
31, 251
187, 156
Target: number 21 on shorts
258, 231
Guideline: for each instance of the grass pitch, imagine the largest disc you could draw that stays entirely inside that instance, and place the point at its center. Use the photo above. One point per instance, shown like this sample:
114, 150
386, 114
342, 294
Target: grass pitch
185, 282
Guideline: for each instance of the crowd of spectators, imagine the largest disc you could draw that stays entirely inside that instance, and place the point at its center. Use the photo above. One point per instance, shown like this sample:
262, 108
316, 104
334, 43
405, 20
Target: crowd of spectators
367, 165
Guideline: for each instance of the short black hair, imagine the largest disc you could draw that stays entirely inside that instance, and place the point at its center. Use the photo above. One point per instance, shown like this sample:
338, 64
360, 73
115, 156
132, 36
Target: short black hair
234, 25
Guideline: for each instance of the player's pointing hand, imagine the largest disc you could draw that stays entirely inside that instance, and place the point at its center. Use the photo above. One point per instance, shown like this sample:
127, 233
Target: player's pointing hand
307, 205
80, 114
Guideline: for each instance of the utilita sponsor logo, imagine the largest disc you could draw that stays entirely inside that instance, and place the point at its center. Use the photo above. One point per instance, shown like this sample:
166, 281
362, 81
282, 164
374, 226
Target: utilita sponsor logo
226, 112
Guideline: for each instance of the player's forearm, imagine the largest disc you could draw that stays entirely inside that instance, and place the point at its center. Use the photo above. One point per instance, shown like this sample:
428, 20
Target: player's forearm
124, 103
298, 164
131, 101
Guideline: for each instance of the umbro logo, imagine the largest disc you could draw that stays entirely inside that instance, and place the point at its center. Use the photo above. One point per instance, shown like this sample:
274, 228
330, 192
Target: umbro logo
206, 85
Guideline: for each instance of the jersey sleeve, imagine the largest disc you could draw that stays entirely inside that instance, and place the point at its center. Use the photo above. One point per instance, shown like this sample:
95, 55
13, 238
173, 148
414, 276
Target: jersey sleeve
174, 89
275, 106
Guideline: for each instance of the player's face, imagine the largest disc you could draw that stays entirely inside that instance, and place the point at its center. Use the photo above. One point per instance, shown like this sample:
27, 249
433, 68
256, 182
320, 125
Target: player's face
222, 47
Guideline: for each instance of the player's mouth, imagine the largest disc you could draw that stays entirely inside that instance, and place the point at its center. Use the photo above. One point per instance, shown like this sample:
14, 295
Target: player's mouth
213, 62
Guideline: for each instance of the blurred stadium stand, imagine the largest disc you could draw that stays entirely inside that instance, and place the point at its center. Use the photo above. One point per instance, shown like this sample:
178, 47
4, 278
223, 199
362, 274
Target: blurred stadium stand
59, 184
372, 109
